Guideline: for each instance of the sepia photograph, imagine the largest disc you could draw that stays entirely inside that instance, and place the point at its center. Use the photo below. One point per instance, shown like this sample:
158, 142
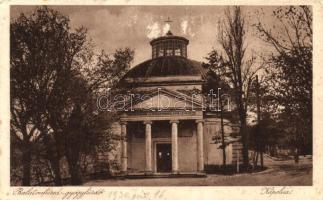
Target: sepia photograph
161, 95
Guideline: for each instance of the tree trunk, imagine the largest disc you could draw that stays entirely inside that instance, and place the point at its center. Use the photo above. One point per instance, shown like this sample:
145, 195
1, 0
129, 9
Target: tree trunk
53, 157
256, 160
262, 159
72, 145
244, 136
74, 169
261, 145
222, 134
296, 155
272, 151
26, 162
297, 144
243, 126
54, 162
76, 174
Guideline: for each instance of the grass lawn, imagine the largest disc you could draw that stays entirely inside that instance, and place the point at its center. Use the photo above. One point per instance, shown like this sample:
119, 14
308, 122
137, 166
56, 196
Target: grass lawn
280, 173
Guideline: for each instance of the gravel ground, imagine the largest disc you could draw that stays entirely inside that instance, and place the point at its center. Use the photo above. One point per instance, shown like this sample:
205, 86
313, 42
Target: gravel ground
280, 173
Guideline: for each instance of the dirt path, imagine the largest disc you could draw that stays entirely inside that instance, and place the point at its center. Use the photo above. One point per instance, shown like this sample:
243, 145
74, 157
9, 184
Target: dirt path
278, 173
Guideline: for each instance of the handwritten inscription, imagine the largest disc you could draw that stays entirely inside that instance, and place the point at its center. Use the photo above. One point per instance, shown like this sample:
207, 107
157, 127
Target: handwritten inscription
270, 191
70, 194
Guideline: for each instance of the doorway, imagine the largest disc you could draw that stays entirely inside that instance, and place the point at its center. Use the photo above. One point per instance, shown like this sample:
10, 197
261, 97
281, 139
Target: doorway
164, 157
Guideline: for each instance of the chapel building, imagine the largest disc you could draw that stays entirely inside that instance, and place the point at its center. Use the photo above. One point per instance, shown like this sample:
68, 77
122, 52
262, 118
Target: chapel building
165, 128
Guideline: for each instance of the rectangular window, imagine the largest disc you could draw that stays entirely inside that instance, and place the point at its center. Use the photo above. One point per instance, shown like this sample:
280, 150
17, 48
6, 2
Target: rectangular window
161, 52
154, 52
177, 47
177, 52
184, 51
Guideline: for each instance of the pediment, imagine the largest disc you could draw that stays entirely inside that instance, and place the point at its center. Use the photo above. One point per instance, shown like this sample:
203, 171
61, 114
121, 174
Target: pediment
165, 100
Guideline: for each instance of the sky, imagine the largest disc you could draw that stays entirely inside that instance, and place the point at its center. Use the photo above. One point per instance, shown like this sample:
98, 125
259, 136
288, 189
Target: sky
113, 27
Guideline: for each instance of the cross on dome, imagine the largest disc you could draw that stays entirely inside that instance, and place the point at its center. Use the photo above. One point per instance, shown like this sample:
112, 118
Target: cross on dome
168, 21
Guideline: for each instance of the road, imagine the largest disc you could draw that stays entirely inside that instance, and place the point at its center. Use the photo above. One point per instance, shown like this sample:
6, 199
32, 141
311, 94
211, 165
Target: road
279, 173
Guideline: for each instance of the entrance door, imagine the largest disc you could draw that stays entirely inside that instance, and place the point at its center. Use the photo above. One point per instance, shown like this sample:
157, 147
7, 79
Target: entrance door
164, 157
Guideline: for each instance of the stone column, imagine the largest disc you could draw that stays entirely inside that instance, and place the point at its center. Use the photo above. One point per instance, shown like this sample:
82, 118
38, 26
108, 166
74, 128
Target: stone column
174, 146
124, 147
200, 150
148, 146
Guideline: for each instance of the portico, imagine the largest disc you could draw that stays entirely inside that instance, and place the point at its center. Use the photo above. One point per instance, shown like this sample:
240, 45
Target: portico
152, 154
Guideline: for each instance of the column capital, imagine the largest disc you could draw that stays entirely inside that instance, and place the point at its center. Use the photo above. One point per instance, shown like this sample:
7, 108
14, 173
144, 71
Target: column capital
123, 122
123, 137
173, 121
199, 121
147, 122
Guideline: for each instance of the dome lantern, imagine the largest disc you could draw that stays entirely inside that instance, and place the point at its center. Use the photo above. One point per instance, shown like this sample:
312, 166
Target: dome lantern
169, 45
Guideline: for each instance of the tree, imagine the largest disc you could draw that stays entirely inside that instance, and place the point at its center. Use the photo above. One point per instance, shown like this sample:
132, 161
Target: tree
235, 69
86, 123
41, 50
291, 71
216, 84
55, 80
259, 135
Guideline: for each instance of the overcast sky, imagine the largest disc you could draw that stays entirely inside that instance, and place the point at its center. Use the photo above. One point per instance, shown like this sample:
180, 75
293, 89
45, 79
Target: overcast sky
113, 27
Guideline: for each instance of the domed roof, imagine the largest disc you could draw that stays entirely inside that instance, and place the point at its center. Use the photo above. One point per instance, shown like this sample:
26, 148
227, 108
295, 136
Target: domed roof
167, 66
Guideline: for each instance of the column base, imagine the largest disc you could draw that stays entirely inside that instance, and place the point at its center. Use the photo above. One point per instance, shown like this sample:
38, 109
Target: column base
148, 172
175, 172
124, 173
